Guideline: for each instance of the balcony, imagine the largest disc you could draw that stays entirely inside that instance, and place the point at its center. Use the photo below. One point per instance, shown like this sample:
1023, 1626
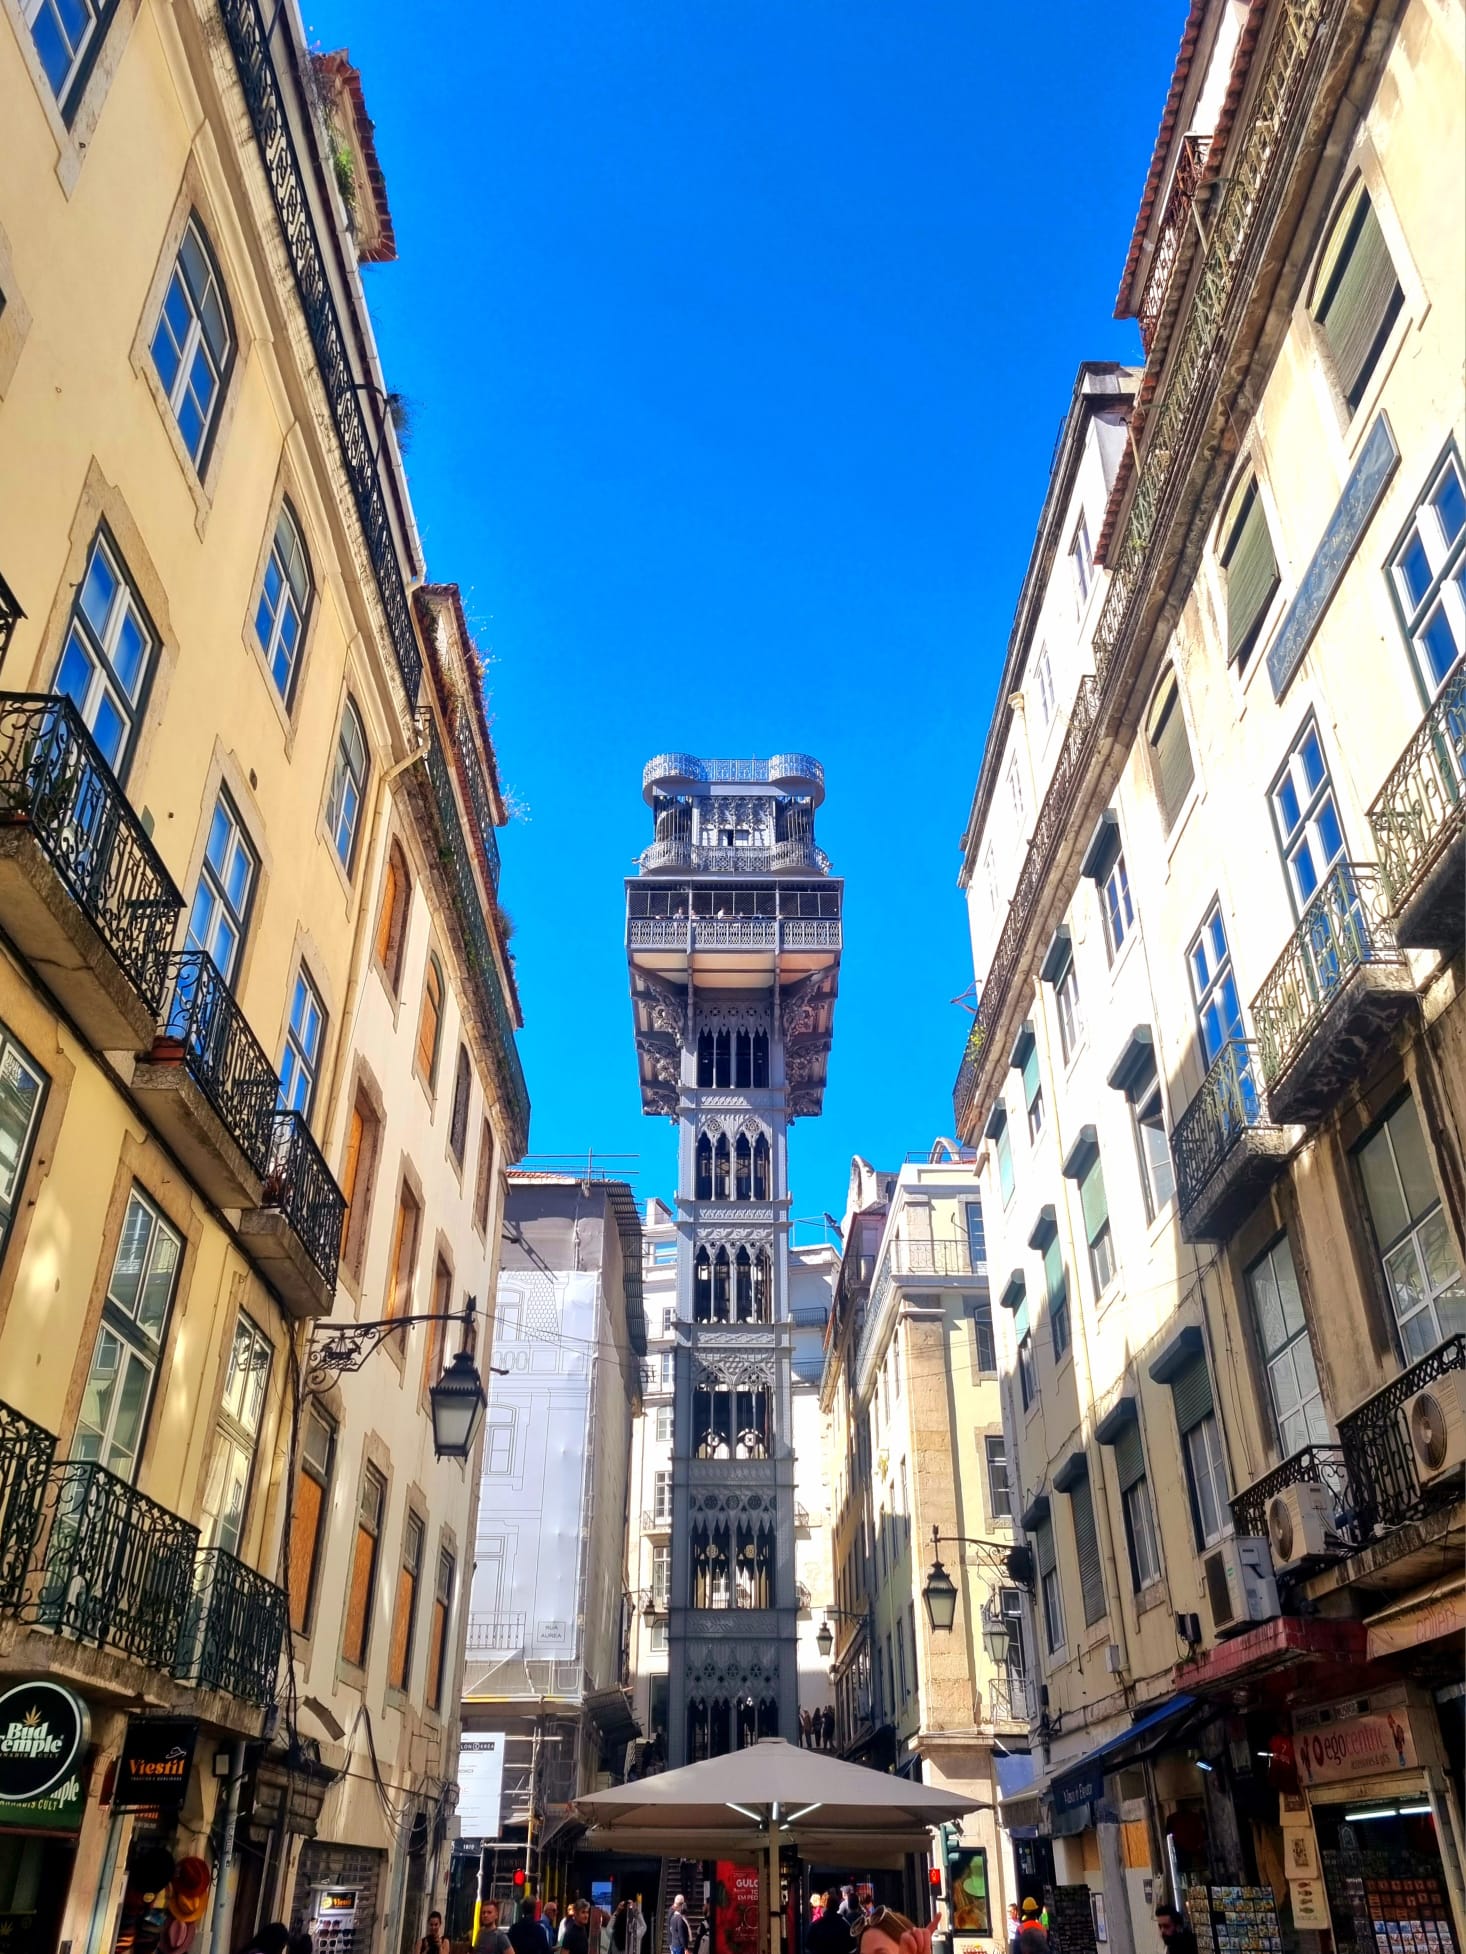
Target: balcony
1419, 823
1378, 1458
295, 1233
86, 899
1339, 986
1176, 227
26, 1452
1010, 1699
208, 1086
495, 1634
234, 1630
1226, 1145
1315, 1465
656, 1520
678, 852
671, 773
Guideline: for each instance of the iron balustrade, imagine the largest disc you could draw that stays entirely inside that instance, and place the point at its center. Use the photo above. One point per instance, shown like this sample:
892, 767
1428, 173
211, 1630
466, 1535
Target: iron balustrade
1378, 1456
55, 781
1321, 1465
809, 933
471, 773
249, 37
115, 1568
1177, 216
234, 1630
688, 766
1422, 806
26, 1453
653, 1521
302, 1187
1345, 928
222, 1055
659, 933
1231, 1102
1172, 427
734, 932
901, 1260
1011, 1699
10, 615
487, 1634
678, 852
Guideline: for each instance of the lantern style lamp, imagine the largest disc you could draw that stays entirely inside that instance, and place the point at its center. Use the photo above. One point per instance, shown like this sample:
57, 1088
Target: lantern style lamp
458, 1401
940, 1596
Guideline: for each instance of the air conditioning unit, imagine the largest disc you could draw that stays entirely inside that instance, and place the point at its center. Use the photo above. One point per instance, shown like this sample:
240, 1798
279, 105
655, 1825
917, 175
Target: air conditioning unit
1435, 1424
1239, 1585
1299, 1524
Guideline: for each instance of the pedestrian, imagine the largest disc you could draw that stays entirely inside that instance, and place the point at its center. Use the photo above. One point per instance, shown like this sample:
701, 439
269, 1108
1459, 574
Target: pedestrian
1175, 1931
1015, 1925
828, 1933
829, 1727
679, 1937
551, 1919
637, 1920
527, 1935
577, 1928
806, 1730
432, 1940
492, 1937
848, 1910
1032, 1938
884, 1931
566, 1919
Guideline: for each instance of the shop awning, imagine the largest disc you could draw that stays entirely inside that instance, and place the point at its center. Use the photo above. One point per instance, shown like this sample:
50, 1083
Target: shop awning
1419, 1619
1080, 1786
1278, 1644
1017, 1778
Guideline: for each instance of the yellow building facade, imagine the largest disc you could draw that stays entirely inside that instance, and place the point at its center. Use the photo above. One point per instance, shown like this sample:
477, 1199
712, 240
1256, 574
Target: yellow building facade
257, 1010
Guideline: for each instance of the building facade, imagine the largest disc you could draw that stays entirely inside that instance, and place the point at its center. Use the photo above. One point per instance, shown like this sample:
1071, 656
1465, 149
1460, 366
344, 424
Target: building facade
733, 941
257, 1014
1215, 1074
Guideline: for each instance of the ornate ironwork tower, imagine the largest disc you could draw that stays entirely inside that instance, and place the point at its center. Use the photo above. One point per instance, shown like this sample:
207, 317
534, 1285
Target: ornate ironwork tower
733, 942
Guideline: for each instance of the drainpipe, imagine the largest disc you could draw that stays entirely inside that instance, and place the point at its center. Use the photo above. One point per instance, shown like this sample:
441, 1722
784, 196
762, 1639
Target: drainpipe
223, 1897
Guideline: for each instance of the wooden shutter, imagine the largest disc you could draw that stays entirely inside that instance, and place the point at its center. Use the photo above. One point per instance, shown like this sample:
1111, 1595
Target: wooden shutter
305, 1526
1043, 1546
350, 1167
1361, 297
1171, 752
1252, 574
387, 921
1129, 1456
1092, 1200
1086, 1543
1191, 1393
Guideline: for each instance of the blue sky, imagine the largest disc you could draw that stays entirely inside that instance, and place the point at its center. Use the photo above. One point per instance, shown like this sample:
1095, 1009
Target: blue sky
737, 335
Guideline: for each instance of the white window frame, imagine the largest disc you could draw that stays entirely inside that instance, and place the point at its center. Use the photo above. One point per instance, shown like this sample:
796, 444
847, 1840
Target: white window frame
1294, 1390
995, 1454
197, 342
1043, 673
236, 1439
1081, 557
304, 1035
1140, 1532
1206, 1469
349, 770
1117, 910
98, 20
91, 648
1444, 555
125, 1340
280, 623
1303, 833
218, 871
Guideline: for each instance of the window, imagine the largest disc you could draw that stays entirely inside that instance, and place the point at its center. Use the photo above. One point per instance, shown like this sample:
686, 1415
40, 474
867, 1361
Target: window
1356, 295
1082, 559
441, 1306
430, 1022
392, 917
1056, 1289
662, 1424
108, 655
990, 878
1004, 1147
1201, 1447
308, 1512
982, 1328
1115, 907
1309, 831
1250, 570
358, 1172
193, 343
891, 1672
227, 1490
404, 1605
22, 1094
658, 1640
662, 1498
901, 1658
67, 34
1135, 1503
221, 901
361, 1587
348, 783
1015, 794
1050, 1593
1033, 1092
484, 1191
499, 1443
1214, 986
1287, 1354
404, 1253
977, 1253
1000, 1495
1428, 575
458, 1120
1066, 1003
1417, 1255
1152, 1150
119, 1386
284, 602
443, 1586
669, 1319
1170, 751
1096, 1208
302, 1047
1044, 675
661, 1576
1027, 1381
1086, 1548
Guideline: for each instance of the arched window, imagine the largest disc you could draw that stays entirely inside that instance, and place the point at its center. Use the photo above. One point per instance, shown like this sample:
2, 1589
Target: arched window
722, 1060
392, 919
193, 343
761, 1287
760, 1058
702, 1288
720, 1168
284, 603
1355, 297
720, 1286
462, 1088
742, 1169
704, 1180
430, 1023
1170, 751
742, 1059
760, 1169
743, 1286
348, 784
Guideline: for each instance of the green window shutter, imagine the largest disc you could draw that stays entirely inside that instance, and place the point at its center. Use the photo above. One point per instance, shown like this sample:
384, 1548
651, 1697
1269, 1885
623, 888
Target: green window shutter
1054, 1269
1043, 1547
1030, 1076
1252, 575
1360, 301
1086, 1542
1020, 1322
1005, 1163
1172, 753
1129, 1457
1191, 1392
1092, 1200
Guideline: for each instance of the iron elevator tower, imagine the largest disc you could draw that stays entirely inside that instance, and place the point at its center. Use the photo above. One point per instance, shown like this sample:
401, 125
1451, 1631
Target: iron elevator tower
733, 945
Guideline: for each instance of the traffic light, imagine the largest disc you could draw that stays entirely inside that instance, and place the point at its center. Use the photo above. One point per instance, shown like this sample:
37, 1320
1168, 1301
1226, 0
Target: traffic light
519, 1880
934, 1878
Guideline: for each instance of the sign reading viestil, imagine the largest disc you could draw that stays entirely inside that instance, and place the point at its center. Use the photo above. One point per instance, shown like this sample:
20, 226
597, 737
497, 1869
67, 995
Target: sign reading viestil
43, 1730
153, 1768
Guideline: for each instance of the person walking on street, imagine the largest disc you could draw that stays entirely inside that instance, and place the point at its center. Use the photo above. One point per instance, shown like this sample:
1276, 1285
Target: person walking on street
679, 1935
432, 1940
492, 1936
1175, 1931
527, 1935
577, 1928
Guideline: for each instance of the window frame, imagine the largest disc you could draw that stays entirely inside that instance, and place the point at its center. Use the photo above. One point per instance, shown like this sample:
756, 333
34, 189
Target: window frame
96, 649
1165, 701
1214, 1479
68, 97
347, 776
1445, 559
389, 945
1415, 1224
405, 1600
1114, 895
195, 337
1149, 1096
1221, 973
445, 1582
462, 1099
428, 1072
1081, 559
1136, 1500
1355, 208
1000, 1502
303, 602
1027, 1376
373, 1482
298, 1063
316, 1415
1244, 506
1292, 841
13, 1051
122, 1324
240, 916
1271, 1358
1043, 673
232, 1430
483, 1192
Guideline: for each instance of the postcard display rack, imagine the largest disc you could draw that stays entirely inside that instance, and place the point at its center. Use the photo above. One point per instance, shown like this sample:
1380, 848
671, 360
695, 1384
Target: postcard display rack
1397, 1902
1234, 1919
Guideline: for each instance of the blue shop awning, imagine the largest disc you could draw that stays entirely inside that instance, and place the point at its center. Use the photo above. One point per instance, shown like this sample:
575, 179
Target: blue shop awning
1082, 1784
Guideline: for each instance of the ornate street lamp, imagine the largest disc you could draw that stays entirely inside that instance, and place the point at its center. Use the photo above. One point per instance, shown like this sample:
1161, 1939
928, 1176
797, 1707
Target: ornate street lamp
824, 1635
458, 1398
824, 1640
458, 1401
940, 1596
1013, 1563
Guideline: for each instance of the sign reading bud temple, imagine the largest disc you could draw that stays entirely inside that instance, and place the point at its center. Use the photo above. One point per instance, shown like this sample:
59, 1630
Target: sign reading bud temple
43, 1731
153, 1768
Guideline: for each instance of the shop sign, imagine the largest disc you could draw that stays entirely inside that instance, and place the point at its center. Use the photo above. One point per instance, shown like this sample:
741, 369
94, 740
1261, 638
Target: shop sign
481, 1782
152, 1771
1300, 1852
1429, 1623
736, 1909
1365, 1738
43, 1730
1310, 1907
1080, 1788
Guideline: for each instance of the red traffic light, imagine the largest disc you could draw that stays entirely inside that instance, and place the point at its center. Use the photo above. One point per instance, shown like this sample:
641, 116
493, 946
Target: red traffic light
519, 1875
933, 1877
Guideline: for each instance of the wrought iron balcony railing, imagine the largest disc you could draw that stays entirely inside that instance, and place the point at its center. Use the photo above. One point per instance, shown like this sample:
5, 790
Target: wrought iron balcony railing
302, 1187
1379, 1460
697, 856
115, 1567
1189, 165
10, 615
732, 933
1422, 806
1344, 929
26, 1453
655, 1521
221, 1054
687, 766
1011, 1699
495, 1634
249, 37
471, 773
1232, 1101
54, 780
234, 1629
1322, 1465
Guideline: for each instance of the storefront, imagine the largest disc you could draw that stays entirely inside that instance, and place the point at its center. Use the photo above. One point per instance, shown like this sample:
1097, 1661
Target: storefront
45, 1740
